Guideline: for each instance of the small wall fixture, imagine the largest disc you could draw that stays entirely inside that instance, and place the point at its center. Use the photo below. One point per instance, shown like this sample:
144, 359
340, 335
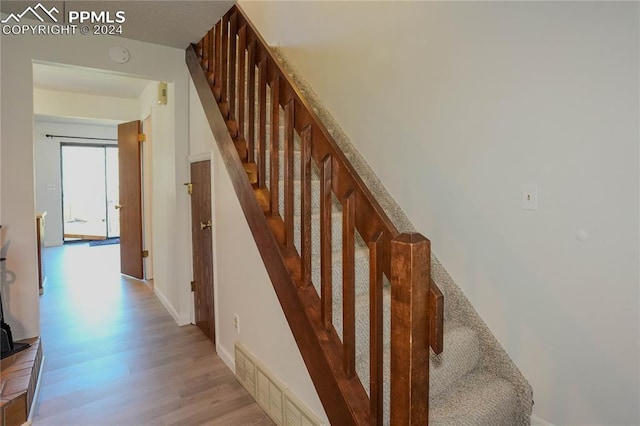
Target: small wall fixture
162, 93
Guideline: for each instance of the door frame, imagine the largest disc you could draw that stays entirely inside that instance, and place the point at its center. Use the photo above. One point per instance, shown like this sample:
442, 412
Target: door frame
85, 145
206, 156
147, 196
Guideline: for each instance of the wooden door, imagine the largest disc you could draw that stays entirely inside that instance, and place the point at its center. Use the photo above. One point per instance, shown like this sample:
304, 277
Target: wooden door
202, 241
130, 203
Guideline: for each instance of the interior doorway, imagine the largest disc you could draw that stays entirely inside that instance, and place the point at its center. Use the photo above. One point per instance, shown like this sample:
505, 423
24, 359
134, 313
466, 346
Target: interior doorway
90, 196
84, 107
202, 247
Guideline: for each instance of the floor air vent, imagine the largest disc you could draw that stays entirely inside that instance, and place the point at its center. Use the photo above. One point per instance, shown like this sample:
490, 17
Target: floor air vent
273, 397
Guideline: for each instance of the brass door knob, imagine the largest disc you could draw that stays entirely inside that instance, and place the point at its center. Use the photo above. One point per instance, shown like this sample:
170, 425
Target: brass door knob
205, 225
118, 206
189, 186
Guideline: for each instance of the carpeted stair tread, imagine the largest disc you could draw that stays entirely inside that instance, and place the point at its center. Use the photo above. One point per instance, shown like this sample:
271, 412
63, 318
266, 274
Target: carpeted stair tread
297, 194
460, 356
480, 398
362, 318
297, 171
361, 273
296, 138
336, 231
462, 391
462, 350
449, 371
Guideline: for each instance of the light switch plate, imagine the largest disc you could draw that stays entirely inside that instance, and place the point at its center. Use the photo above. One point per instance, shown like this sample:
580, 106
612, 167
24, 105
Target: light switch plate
529, 197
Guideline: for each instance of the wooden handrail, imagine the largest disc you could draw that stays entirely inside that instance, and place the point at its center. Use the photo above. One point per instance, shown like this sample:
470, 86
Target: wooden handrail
333, 388
217, 65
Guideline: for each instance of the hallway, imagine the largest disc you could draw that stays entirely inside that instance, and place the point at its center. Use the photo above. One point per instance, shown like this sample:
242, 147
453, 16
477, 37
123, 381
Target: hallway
114, 355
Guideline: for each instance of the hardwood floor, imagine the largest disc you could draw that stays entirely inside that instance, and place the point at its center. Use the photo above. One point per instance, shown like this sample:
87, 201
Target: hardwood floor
114, 355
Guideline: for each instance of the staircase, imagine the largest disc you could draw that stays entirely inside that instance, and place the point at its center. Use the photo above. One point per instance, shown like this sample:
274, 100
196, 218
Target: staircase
360, 296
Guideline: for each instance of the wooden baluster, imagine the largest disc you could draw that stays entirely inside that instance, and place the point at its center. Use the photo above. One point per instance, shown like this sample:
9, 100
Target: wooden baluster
212, 58
289, 116
410, 272
348, 284
275, 144
205, 53
199, 47
242, 46
305, 213
224, 60
217, 81
233, 31
251, 99
262, 125
326, 286
376, 330
417, 308
436, 318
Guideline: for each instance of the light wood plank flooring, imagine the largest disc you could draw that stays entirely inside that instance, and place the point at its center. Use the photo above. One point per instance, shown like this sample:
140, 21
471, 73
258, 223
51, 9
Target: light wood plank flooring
114, 355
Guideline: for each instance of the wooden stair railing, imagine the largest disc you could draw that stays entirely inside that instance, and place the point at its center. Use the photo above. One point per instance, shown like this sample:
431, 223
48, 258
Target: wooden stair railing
217, 66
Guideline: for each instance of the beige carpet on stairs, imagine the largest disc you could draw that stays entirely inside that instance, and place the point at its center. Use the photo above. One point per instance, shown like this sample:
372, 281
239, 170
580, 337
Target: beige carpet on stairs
473, 382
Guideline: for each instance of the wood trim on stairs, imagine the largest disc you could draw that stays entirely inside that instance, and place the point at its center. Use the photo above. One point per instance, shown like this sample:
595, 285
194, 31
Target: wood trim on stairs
345, 400
331, 360
306, 114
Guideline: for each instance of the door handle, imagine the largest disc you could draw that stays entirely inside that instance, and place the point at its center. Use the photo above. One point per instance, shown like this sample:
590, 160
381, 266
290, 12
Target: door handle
205, 225
118, 206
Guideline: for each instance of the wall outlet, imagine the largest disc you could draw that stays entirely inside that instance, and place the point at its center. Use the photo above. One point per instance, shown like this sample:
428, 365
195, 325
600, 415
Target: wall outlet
236, 323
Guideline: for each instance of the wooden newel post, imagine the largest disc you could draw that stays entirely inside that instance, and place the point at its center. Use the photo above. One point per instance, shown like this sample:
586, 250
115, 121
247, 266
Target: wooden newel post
410, 272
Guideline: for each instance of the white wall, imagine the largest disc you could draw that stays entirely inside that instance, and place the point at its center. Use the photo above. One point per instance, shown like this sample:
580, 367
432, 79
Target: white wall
67, 104
471, 100
48, 169
169, 170
17, 211
242, 285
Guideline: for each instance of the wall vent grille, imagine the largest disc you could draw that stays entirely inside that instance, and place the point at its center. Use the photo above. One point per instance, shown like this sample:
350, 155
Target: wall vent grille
284, 408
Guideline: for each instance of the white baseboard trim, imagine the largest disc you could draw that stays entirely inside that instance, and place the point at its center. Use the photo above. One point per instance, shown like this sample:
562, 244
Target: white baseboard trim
176, 317
226, 357
184, 320
537, 421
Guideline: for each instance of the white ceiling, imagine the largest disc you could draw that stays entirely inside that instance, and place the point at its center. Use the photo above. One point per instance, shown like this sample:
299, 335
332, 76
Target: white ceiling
168, 23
